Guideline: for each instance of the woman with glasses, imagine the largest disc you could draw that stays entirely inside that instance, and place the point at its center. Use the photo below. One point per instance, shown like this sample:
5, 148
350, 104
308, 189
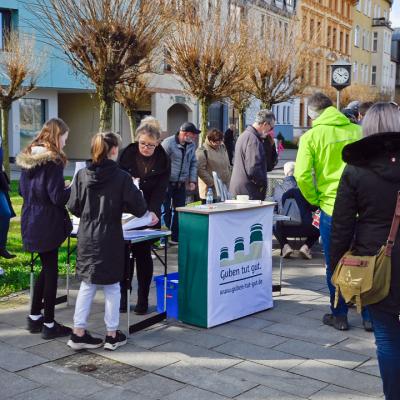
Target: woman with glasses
212, 156
146, 161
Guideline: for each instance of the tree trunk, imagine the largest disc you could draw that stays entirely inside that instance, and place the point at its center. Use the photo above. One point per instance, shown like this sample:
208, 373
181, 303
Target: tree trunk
132, 124
5, 111
105, 95
204, 104
241, 120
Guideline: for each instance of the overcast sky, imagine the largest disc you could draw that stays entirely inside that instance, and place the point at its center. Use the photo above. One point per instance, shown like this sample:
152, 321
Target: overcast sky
395, 16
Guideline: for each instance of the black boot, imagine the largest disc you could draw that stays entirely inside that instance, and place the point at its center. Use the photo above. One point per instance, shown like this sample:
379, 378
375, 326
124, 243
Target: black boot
5, 254
123, 301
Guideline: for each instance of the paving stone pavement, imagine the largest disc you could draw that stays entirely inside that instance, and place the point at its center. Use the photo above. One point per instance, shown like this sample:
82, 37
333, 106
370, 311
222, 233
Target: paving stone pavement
285, 353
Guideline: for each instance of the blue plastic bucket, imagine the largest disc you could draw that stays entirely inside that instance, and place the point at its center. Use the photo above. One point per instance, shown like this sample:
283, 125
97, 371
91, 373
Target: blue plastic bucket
172, 294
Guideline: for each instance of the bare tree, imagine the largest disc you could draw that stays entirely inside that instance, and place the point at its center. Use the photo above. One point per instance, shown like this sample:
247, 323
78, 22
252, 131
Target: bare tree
277, 62
109, 41
240, 101
130, 97
206, 52
20, 68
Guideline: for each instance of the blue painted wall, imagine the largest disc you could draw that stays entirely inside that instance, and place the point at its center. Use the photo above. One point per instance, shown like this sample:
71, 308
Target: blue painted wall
286, 130
56, 72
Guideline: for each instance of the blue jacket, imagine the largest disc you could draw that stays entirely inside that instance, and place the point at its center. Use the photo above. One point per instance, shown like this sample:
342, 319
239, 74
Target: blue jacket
45, 222
183, 159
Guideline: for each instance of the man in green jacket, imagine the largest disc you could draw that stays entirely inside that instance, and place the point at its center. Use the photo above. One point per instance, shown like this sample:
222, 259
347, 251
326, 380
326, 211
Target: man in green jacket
319, 166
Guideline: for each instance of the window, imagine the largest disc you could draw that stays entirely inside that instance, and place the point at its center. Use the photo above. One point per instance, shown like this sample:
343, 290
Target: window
32, 117
334, 41
376, 11
355, 71
365, 11
311, 29
317, 82
340, 41
385, 15
357, 36
375, 42
364, 37
262, 24
328, 37
346, 50
358, 5
5, 25
167, 67
373, 75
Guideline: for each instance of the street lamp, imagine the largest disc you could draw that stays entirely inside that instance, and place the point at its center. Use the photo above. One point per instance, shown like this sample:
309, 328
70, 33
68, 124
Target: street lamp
340, 77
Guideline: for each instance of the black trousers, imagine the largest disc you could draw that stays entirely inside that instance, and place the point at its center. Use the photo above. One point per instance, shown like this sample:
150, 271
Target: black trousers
144, 272
46, 286
282, 232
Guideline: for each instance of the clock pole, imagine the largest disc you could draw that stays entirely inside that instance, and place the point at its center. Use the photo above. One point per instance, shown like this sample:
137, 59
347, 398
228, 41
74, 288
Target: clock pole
338, 99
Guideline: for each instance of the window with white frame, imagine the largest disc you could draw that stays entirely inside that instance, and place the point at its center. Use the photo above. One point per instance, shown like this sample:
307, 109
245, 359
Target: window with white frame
373, 75
355, 71
358, 5
369, 8
374, 46
357, 36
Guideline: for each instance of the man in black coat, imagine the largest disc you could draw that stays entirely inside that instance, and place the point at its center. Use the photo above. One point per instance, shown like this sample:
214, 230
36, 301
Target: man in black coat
249, 175
229, 142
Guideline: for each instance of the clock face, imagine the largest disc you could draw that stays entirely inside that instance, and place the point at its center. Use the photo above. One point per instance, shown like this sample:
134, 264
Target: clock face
340, 76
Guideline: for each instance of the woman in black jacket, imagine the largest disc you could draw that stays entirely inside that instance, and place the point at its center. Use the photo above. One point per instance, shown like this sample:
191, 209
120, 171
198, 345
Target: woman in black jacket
362, 218
45, 223
147, 161
101, 192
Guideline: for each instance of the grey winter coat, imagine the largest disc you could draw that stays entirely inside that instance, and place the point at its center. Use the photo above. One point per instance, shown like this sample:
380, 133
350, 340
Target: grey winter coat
249, 175
183, 159
100, 194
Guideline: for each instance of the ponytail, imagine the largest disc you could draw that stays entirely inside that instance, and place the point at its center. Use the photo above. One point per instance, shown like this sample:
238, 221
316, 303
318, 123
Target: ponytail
102, 143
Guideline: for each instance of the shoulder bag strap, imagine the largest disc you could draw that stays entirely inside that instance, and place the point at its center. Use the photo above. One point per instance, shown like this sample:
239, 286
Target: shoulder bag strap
394, 228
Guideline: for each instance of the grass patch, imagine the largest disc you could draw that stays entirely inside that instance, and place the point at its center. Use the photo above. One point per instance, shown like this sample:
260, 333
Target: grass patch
17, 270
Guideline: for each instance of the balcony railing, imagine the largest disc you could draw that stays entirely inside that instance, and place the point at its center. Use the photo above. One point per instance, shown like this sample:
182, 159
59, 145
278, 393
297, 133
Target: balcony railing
381, 22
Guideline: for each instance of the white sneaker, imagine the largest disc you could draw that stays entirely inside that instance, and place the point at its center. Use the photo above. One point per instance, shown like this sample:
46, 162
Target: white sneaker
286, 251
305, 252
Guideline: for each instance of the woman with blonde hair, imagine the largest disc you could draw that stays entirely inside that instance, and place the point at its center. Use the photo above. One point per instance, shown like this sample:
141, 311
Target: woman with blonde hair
100, 194
361, 221
45, 223
147, 161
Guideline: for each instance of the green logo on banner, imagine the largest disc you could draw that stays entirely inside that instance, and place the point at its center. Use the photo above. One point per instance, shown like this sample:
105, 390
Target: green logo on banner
239, 256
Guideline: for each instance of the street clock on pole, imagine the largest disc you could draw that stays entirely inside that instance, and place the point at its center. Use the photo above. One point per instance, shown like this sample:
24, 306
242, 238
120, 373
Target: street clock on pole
340, 77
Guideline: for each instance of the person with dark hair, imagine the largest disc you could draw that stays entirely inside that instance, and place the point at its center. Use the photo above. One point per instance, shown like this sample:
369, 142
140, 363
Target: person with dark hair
319, 167
361, 221
350, 114
148, 162
45, 222
182, 153
212, 156
100, 193
229, 142
6, 210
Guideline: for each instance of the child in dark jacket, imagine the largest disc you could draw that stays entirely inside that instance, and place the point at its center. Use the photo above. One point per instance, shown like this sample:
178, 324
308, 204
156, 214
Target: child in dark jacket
45, 223
101, 192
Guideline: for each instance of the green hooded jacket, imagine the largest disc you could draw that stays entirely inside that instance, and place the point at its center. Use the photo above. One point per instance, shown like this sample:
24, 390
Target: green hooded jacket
320, 150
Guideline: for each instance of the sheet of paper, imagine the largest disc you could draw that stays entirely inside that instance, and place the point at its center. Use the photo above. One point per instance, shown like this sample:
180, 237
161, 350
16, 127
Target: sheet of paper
130, 222
129, 235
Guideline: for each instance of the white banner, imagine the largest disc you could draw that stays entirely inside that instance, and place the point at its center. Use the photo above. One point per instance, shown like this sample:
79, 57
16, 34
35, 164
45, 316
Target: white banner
239, 264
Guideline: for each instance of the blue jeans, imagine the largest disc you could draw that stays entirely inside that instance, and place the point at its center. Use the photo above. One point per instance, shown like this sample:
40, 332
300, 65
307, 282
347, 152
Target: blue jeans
5, 215
325, 226
176, 197
387, 339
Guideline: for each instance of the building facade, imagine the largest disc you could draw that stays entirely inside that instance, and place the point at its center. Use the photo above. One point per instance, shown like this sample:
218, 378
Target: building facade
371, 47
396, 59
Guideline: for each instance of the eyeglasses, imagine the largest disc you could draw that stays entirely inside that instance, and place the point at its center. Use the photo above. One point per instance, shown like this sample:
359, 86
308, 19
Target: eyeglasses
147, 146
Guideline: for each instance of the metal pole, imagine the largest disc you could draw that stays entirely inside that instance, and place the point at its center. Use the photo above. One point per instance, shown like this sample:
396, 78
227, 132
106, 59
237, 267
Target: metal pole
338, 99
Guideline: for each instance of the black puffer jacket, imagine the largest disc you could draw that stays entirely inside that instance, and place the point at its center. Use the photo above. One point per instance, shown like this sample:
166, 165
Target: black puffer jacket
100, 194
365, 204
153, 182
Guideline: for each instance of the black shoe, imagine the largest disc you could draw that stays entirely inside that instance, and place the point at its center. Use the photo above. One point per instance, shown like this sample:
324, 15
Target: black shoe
58, 330
34, 326
113, 343
368, 325
339, 322
141, 308
87, 341
5, 254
